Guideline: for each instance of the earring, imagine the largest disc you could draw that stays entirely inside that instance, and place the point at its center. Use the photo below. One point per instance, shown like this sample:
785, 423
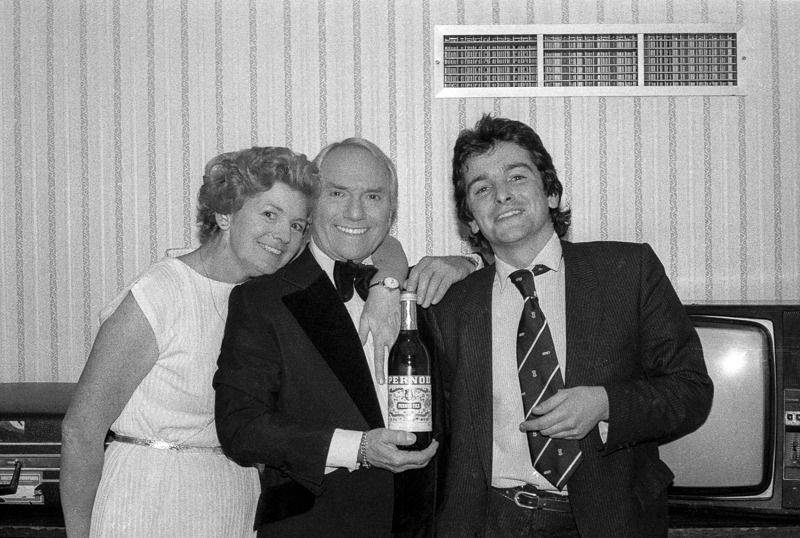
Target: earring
223, 221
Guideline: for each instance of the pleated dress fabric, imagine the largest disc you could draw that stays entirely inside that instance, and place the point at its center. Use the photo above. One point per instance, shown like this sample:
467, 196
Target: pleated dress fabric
152, 492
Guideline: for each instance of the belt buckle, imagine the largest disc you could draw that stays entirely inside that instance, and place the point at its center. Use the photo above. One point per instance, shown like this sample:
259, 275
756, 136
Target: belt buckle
528, 496
162, 445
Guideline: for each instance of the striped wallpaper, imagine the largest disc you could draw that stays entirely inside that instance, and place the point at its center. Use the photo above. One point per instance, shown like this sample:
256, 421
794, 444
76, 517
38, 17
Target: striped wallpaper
110, 108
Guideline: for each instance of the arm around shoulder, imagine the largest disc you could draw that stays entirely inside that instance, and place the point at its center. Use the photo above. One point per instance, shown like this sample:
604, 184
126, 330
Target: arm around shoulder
381, 314
432, 276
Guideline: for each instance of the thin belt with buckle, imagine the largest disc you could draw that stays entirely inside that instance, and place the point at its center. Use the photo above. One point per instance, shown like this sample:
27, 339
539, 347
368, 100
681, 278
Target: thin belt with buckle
531, 498
164, 445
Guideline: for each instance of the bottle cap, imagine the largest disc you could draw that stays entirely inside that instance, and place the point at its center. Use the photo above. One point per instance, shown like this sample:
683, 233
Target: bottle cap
408, 296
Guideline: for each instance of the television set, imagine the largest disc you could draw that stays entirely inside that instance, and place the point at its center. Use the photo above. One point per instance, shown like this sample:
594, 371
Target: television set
745, 459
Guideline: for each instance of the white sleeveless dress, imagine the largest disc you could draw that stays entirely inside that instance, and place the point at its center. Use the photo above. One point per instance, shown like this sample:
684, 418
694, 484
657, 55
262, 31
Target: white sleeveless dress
152, 492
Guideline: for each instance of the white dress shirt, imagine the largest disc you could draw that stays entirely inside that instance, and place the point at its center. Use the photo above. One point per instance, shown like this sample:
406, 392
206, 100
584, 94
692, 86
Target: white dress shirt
511, 460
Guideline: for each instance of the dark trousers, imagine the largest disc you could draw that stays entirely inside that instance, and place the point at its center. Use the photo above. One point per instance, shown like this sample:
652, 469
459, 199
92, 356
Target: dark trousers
507, 520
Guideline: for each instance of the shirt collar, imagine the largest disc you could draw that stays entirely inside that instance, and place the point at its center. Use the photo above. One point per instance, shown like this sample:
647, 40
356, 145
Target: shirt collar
325, 261
550, 256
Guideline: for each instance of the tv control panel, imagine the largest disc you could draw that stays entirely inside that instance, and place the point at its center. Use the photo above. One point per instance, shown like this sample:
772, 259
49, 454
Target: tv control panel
791, 424
792, 417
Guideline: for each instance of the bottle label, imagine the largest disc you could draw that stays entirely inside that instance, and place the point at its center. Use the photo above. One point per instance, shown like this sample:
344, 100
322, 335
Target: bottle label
410, 403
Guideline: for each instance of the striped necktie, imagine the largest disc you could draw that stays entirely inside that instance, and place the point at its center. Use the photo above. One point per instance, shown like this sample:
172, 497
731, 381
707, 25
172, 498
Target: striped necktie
539, 379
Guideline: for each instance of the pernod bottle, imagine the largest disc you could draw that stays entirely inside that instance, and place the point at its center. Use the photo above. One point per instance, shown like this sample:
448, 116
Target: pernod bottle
410, 395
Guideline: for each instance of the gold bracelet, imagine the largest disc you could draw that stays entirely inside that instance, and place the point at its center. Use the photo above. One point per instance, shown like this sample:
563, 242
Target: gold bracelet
362, 451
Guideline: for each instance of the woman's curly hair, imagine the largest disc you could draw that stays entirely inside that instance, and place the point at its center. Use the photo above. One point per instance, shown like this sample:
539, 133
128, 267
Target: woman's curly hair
231, 178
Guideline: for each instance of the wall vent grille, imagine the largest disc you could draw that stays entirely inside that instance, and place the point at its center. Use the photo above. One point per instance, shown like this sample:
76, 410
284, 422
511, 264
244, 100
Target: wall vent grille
481, 61
590, 60
530, 60
690, 59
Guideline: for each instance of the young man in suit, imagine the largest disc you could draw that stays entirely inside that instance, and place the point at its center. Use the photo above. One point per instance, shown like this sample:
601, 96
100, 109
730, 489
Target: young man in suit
628, 369
297, 391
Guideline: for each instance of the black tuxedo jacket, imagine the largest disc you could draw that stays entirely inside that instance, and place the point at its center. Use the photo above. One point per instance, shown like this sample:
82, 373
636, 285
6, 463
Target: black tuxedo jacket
291, 371
626, 331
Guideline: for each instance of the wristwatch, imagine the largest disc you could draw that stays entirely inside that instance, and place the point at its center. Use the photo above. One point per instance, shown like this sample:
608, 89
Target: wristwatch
390, 283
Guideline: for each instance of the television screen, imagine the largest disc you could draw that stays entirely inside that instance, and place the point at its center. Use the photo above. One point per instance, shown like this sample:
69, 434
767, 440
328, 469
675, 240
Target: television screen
731, 451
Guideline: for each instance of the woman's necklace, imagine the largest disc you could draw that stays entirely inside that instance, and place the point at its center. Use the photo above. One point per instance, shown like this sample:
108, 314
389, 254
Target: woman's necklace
210, 287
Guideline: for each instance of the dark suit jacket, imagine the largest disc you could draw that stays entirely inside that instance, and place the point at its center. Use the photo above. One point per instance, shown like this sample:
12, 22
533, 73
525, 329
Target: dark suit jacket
626, 331
291, 371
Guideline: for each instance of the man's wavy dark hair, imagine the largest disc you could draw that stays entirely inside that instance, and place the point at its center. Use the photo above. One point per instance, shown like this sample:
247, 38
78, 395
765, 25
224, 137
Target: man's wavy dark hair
482, 139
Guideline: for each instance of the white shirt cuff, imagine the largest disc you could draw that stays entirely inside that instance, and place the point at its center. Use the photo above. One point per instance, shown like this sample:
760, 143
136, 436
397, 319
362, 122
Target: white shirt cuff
603, 426
343, 451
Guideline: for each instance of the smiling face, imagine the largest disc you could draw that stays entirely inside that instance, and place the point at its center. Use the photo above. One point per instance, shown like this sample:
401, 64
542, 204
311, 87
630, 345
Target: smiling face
509, 206
266, 233
354, 210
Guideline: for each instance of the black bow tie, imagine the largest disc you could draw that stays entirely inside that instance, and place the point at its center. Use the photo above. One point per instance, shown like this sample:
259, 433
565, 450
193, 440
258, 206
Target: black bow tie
348, 275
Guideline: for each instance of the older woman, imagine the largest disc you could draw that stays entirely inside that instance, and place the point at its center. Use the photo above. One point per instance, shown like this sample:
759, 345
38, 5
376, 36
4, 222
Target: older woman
148, 376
